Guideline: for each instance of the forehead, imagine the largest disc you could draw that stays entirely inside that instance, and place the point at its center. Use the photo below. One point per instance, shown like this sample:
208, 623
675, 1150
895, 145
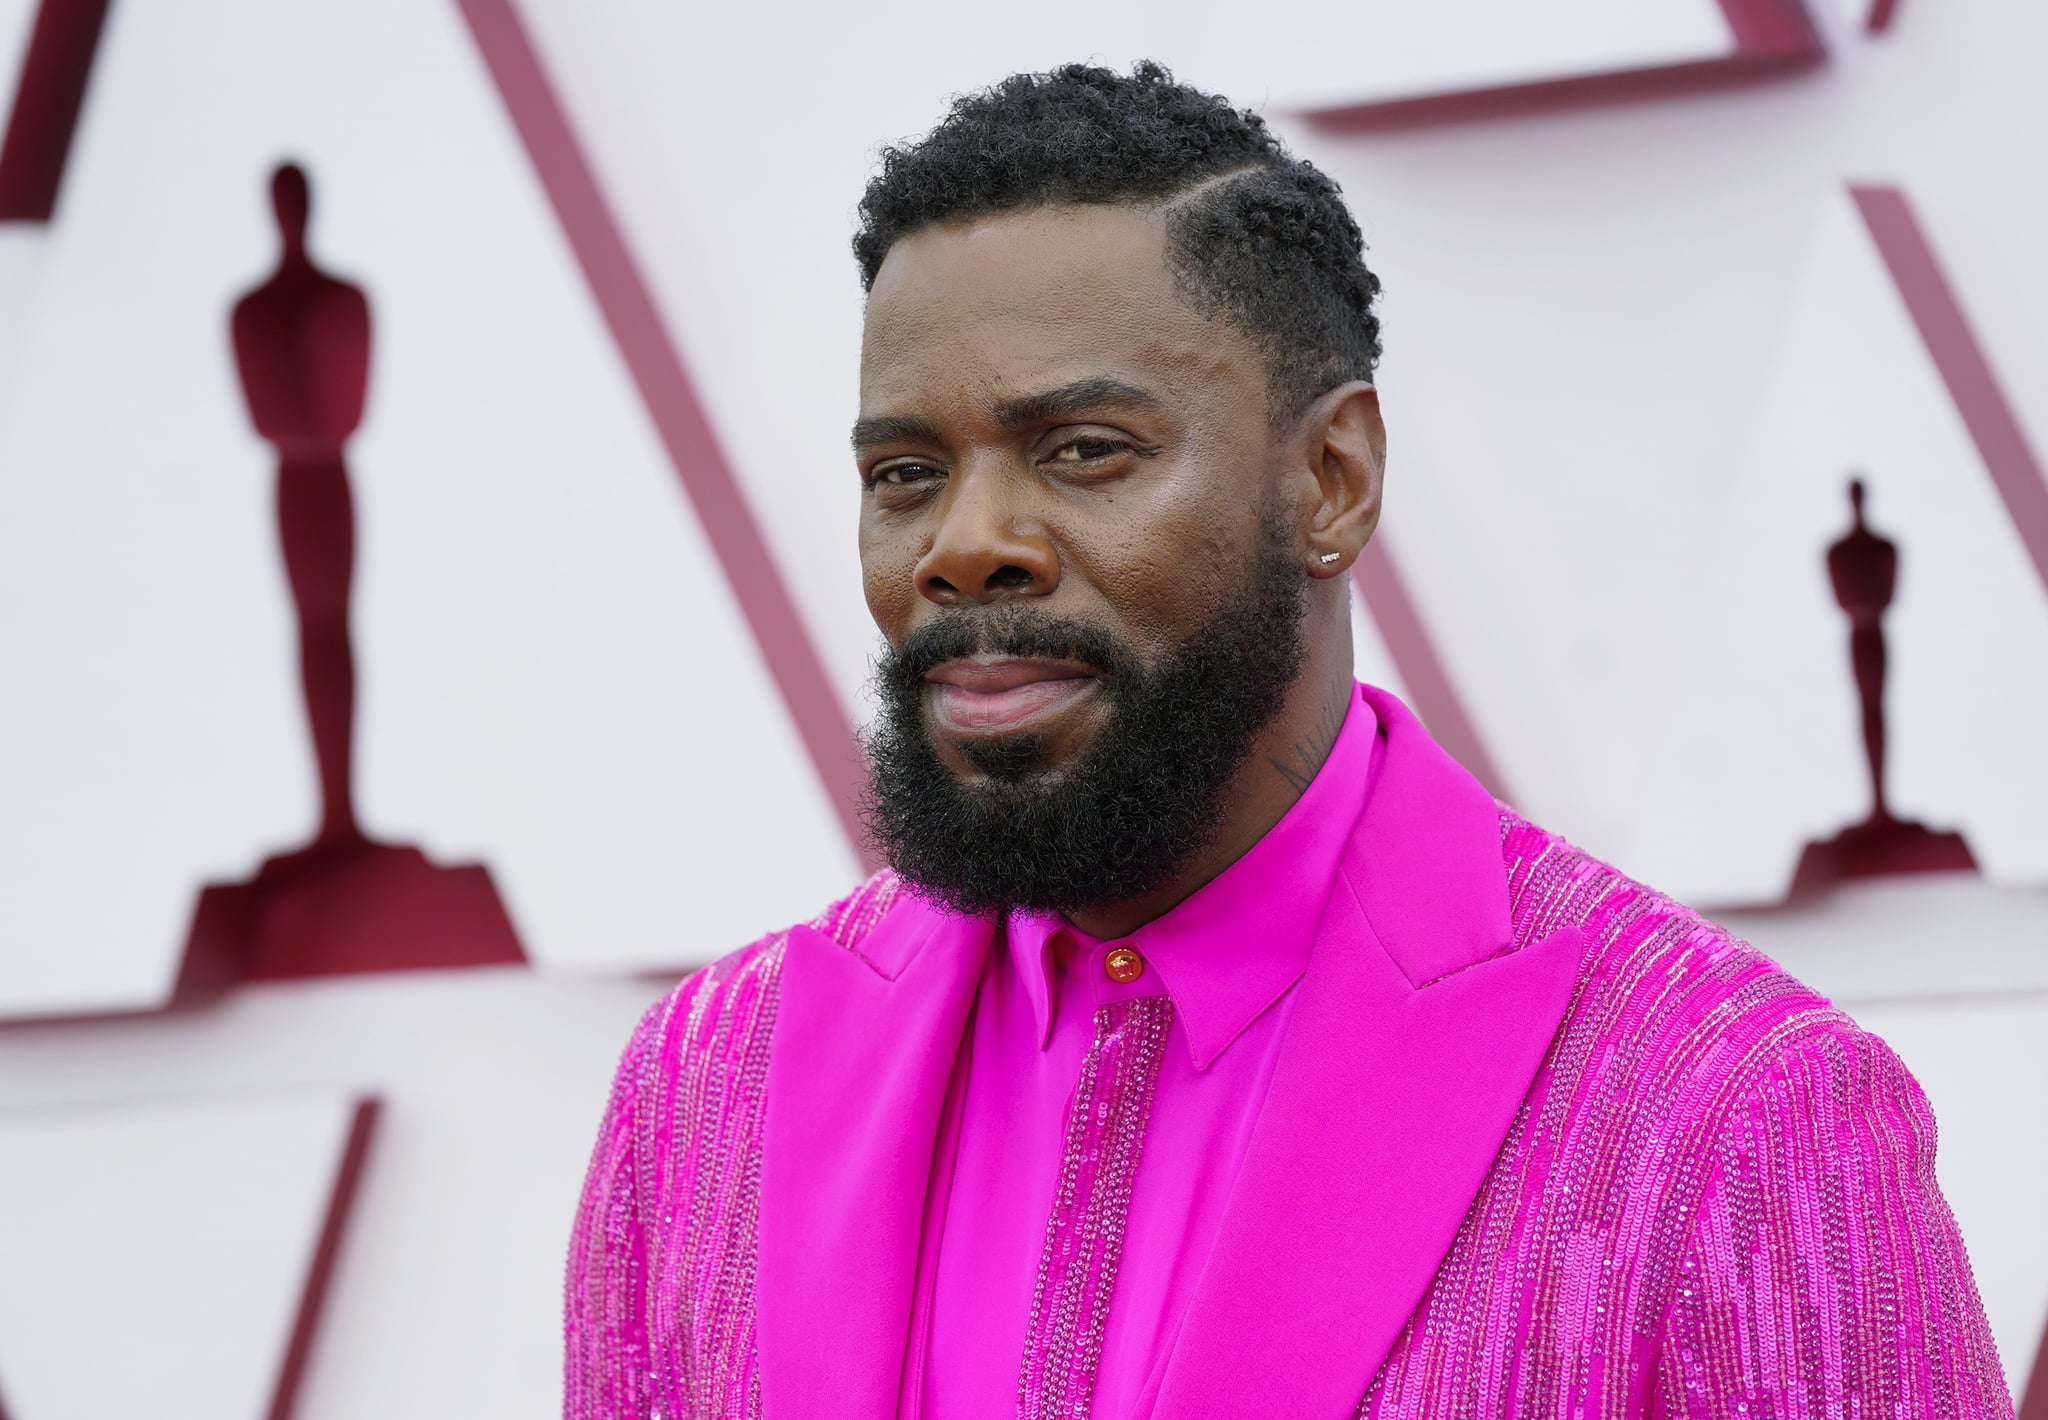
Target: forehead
1005, 304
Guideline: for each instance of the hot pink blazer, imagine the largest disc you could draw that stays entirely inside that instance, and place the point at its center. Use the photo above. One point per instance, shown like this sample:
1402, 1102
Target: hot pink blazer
1539, 1142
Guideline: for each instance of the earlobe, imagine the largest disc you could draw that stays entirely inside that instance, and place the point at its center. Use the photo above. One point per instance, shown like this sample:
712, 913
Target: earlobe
1347, 454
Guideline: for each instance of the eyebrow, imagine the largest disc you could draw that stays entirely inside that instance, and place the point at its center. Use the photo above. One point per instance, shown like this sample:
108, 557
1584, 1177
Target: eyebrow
1045, 407
1078, 397
893, 429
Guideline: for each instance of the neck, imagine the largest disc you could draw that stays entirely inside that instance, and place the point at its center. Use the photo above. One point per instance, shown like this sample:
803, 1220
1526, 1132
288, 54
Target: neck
1285, 758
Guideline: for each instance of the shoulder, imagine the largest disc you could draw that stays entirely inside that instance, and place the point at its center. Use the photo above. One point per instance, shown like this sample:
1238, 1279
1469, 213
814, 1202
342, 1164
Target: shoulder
726, 1009
1693, 1014
1709, 1127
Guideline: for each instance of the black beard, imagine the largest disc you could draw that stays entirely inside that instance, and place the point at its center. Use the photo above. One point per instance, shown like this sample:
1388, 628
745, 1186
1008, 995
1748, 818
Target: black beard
1139, 803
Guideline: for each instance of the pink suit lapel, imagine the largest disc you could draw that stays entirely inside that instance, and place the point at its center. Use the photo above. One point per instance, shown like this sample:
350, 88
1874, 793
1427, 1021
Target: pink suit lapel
1413, 1043
863, 1048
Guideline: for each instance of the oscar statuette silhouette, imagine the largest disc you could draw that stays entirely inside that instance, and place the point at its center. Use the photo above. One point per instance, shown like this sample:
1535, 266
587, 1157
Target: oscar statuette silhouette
1864, 570
342, 903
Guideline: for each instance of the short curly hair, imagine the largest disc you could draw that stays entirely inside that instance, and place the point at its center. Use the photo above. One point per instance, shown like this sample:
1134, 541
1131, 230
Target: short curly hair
1255, 236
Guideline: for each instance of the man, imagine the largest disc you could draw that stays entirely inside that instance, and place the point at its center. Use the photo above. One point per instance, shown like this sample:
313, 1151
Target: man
1216, 1046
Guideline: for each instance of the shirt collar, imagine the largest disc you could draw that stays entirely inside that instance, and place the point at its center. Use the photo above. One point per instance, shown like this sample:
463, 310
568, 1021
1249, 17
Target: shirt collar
1234, 946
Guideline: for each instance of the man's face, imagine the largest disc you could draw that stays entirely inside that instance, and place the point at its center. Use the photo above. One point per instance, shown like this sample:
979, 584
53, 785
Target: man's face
1045, 420
1071, 541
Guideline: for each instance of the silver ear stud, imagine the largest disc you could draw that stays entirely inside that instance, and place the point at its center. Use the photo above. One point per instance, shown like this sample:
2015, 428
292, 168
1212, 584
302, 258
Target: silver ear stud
1329, 557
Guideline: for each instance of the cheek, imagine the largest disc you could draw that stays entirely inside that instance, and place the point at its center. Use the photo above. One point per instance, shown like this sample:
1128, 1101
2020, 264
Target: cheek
888, 565
1166, 561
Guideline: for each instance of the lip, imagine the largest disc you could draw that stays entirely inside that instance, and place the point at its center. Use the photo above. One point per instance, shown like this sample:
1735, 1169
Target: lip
1002, 694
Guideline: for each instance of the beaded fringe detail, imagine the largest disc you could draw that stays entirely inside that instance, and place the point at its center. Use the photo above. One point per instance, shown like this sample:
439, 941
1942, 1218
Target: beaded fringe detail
660, 1300
1084, 1235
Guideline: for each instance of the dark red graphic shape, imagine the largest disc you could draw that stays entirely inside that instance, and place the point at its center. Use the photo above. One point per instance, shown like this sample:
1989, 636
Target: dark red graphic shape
341, 904
2034, 1403
1880, 18
302, 342
313, 1295
1429, 685
54, 71
671, 400
1773, 39
1965, 369
1864, 570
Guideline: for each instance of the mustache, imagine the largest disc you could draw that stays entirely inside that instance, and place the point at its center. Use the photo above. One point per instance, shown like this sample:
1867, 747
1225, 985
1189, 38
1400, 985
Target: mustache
1007, 630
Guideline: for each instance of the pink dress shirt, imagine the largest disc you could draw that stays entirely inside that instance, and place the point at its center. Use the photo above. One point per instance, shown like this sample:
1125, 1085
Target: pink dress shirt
1219, 970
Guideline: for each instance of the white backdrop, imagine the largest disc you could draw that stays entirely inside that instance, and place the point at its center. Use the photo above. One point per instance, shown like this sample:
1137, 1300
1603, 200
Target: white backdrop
1618, 341
1633, 352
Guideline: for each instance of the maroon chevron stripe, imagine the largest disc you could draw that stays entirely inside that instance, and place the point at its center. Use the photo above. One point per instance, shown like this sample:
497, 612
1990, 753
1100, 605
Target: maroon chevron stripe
2034, 1400
1965, 369
313, 1295
47, 100
629, 309
1773, 39
1436, 700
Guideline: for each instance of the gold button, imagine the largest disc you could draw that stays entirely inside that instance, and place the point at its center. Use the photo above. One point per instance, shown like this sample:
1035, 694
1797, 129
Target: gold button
1124, 966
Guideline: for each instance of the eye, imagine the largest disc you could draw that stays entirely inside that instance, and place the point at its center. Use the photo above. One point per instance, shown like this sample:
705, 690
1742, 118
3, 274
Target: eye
1089, 448
901, 475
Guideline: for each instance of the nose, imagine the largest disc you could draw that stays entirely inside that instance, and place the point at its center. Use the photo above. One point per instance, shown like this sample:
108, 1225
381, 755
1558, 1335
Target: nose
983, 551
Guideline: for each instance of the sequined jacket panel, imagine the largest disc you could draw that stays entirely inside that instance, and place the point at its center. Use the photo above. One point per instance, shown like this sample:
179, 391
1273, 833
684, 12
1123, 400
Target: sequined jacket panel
1718, 1199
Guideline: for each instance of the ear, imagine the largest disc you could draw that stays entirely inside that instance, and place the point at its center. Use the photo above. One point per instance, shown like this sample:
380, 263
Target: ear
1344, 446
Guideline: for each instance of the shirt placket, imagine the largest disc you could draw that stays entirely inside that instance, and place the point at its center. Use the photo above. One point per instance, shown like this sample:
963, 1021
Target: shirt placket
1104, 1138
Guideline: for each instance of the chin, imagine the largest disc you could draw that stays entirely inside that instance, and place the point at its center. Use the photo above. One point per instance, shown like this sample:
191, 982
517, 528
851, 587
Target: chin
1003, 761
